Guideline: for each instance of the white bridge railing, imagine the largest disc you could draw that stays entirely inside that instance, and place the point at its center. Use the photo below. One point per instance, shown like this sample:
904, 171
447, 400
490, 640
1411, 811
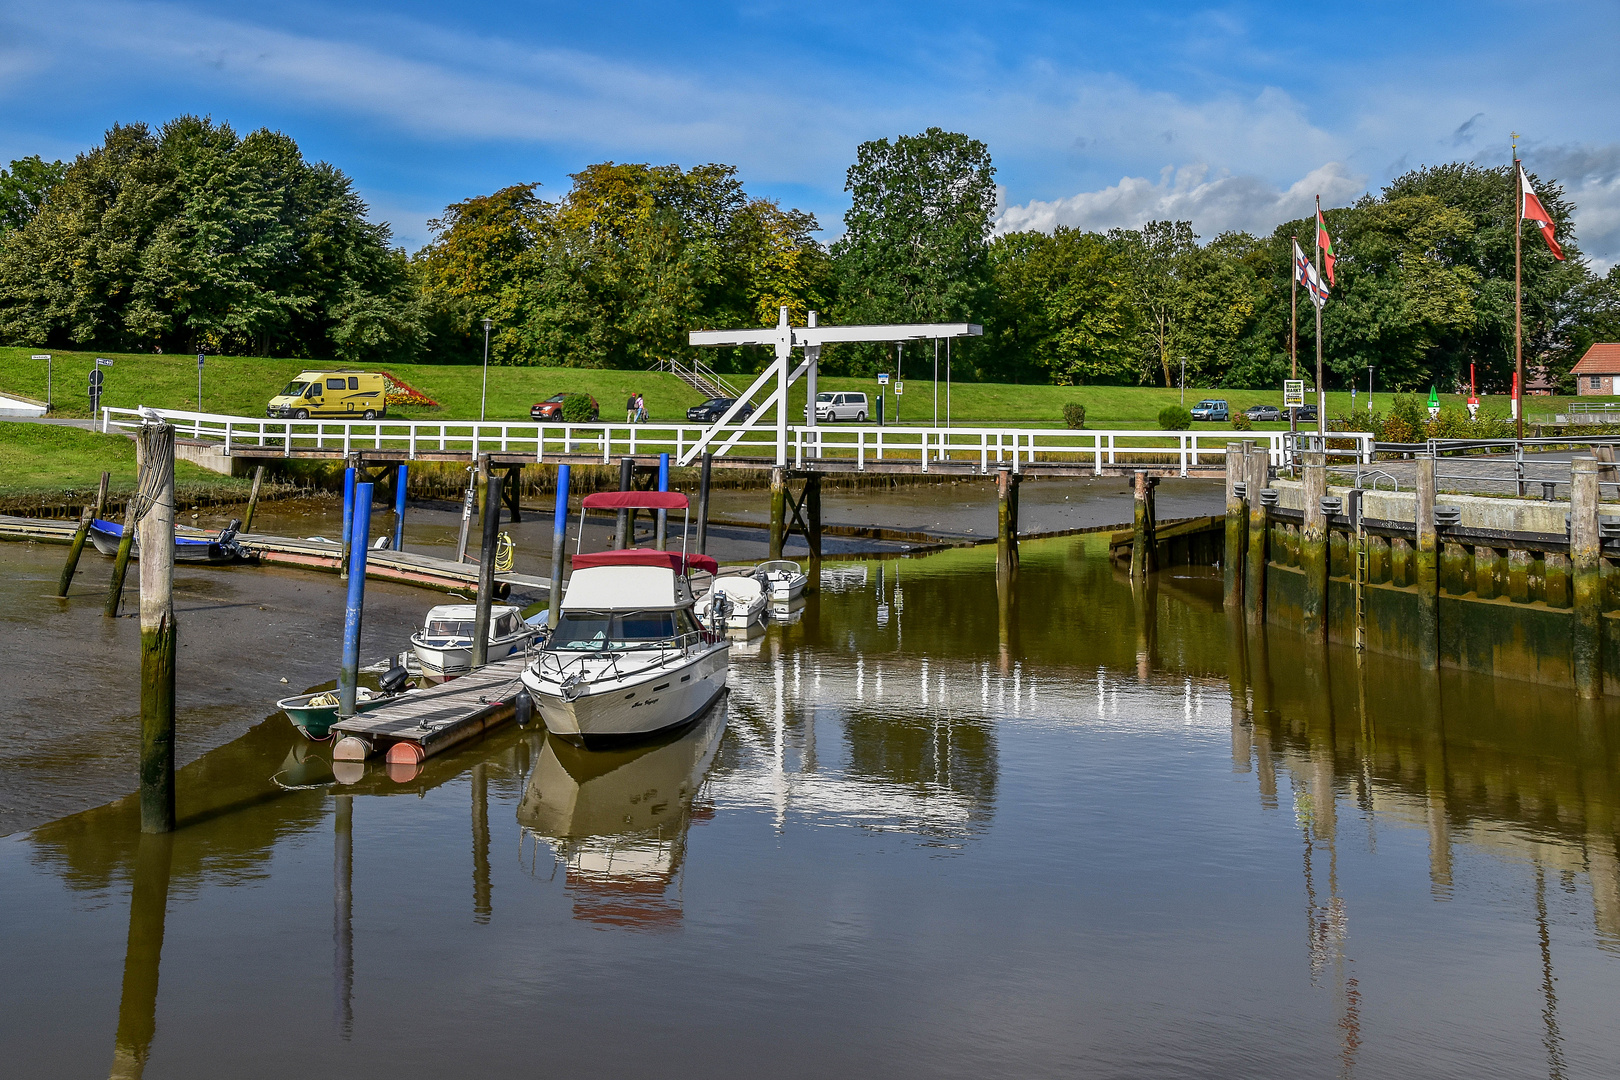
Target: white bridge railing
927, 447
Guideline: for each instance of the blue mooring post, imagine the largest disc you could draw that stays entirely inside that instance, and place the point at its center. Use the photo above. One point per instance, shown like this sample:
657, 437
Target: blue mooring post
400, 483
349, 676
663, 515
348, 518
559, 542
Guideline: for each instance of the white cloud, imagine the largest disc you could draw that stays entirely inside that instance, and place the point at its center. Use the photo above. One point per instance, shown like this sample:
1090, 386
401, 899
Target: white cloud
1591, 179
1213, 205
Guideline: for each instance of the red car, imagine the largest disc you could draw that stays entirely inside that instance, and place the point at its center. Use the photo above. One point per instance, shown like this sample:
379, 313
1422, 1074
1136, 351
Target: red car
551, 408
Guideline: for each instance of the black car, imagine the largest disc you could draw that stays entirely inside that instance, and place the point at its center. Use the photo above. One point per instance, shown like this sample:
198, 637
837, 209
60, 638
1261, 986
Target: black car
1307, 412
715, 408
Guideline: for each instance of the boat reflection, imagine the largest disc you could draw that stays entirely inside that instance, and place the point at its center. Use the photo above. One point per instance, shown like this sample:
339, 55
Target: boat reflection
616, 820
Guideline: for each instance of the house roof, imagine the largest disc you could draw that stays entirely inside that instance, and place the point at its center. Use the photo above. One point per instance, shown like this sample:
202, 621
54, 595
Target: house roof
1603, 358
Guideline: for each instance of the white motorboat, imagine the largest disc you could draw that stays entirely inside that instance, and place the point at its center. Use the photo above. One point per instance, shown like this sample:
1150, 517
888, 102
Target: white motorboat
628, 658
783, 578
734, 602
444, 645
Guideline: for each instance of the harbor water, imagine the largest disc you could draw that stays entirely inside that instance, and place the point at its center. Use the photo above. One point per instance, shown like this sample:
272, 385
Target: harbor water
937, 828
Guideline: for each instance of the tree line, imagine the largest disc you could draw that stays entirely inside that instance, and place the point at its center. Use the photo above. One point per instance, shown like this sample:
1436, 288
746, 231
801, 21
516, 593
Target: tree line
190, 237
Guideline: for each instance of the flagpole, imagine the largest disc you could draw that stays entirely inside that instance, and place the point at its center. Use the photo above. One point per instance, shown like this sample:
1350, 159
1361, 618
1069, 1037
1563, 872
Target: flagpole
1518, 292
1321, 391
1293, 311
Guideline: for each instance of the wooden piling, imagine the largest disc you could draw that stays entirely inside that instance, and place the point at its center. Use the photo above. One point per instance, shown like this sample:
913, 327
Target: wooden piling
1236, 527
86, 518
1143, 542
158, 631
703, 505
486, 570
1586, 556
1519, 563
1425, 568
1313, 548
1006, 519
778, 511
126, 542
253, 498
1254, 581
623, 529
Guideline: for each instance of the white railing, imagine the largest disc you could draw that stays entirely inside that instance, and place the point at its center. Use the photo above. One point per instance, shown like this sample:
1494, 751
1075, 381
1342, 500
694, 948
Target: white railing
982, 449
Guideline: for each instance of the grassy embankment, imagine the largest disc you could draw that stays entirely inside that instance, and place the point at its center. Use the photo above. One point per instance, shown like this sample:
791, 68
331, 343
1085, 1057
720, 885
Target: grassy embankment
39, 461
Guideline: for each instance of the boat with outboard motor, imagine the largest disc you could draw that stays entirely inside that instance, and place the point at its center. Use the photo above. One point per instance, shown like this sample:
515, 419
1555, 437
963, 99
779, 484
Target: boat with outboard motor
628, 658
219, 548
733, 602
444, 645
314, 714
783, 578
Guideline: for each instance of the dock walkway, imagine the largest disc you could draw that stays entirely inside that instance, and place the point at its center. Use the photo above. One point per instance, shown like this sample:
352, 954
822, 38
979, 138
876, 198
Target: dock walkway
429, 721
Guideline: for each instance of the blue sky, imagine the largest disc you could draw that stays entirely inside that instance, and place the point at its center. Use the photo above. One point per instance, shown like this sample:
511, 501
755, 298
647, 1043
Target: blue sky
1234, 116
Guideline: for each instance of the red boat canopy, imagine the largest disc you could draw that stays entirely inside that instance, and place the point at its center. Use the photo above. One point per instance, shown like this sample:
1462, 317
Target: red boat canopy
672, 560
636, 500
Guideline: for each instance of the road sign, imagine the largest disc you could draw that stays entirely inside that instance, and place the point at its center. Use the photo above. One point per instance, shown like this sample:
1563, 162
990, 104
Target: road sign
1293, 393
42, 356
103, 362
883, 379
199, 359
899, 388
95, 377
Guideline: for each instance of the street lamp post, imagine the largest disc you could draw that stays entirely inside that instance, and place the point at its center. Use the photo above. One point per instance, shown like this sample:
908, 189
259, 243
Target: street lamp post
483, 398
1183, 381
1369, 389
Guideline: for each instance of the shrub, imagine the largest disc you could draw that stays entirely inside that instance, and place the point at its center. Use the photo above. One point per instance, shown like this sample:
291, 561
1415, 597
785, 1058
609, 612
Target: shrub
1241, 422
1174, 418
1074, 414
1407, 422
577, 409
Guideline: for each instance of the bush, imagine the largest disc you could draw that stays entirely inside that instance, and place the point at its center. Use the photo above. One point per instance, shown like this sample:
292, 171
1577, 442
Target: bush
1174, 418
1241, 422
577, 409
1074, 414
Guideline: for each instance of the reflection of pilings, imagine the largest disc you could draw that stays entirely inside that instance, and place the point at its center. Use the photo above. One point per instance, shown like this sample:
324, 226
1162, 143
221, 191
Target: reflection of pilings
1550, 1037
148, 906
480, 826
1145, 598
1006, 604
1260, 686
1237, 685
1426, 703
343, 916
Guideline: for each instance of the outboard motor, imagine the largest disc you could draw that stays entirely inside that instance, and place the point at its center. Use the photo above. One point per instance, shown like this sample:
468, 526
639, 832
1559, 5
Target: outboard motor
394, 679
227, 535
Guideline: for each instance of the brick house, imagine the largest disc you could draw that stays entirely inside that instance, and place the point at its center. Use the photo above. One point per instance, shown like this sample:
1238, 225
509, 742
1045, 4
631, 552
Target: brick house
1598, 372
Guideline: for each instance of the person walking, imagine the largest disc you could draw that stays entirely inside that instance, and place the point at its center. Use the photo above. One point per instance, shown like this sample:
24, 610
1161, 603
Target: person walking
641, 408
630, 408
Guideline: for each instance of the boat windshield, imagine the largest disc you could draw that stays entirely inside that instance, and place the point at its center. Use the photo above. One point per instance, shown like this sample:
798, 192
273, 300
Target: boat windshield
448, 628
295, 389
596, 630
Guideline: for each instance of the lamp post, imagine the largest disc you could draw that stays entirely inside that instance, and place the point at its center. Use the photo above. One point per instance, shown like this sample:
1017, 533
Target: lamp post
1369, 389
483, 398
1183, 381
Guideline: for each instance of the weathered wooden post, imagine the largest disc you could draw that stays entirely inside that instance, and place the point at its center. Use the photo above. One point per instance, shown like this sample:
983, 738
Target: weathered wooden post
559, 546
1254, 581
663, 515
1425, 568
143, 956
253, 498
812, 519
1237, 512
1006, 519
486, 570
1585, 553
1143, 542
354, 608
703, 505
126, 543
402, 481
1313, 553
778, 511
158, 631
624, 528
86, 518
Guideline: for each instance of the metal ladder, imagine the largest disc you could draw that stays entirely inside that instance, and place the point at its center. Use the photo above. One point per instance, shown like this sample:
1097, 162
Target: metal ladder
1356, 510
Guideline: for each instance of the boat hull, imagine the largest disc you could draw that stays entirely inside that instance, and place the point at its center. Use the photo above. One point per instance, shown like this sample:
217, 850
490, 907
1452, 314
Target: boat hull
447, 662
315, 721
649, 702
186, 549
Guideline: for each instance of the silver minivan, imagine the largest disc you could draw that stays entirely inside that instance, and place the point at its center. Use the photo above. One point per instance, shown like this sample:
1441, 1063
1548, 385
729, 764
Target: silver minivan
848, 405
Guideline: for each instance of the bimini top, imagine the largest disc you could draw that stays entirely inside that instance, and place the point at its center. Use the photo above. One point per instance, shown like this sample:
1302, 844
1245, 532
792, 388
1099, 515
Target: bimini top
670, 560
636, 500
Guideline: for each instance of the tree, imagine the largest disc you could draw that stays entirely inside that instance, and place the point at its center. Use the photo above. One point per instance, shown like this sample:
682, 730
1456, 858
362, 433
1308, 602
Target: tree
1062, 314
915, 246
23, 189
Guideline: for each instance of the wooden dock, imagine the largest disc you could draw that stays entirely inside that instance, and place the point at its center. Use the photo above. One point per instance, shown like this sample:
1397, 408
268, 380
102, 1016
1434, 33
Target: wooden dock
422, 723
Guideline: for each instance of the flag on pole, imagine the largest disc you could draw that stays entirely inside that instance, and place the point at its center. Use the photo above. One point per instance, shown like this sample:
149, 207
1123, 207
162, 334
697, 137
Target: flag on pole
1305, 274
1531, 209
1324, 244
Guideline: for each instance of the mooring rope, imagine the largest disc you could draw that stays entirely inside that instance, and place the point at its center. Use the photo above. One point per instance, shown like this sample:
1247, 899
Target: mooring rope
505, 550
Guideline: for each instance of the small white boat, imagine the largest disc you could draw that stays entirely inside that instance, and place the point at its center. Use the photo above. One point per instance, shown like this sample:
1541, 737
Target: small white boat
785, 579
734, 602
444, 645
628, 658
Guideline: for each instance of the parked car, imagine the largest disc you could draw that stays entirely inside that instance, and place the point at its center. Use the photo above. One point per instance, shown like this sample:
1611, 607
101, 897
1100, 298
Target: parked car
1259, 413
1211, 409
551, 408
715, 408
1307, 412
352, 394
849, 405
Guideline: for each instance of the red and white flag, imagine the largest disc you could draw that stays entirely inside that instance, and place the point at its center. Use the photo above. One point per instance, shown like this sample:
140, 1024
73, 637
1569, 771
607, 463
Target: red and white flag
1305, 273
1530, 209
1324, 244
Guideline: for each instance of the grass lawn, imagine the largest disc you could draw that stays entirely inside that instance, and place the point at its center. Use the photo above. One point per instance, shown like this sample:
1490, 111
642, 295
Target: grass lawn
46, 459
243, 385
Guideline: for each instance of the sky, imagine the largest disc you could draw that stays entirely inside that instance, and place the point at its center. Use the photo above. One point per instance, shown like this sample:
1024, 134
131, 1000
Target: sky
1233, 116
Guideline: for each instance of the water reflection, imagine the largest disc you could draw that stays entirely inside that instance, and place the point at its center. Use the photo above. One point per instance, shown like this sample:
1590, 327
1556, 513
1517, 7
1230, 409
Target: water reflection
143, 954
617, 820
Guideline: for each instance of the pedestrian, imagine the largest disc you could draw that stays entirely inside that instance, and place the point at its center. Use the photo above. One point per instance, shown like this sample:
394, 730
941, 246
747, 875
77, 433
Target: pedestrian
630, 408
641, 408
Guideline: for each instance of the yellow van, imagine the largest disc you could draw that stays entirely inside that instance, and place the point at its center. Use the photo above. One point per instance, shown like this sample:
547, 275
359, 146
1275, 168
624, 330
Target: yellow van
362, 395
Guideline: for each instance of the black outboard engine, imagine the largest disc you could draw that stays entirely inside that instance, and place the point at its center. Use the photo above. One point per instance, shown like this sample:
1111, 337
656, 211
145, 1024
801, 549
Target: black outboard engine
393, 680
227, 535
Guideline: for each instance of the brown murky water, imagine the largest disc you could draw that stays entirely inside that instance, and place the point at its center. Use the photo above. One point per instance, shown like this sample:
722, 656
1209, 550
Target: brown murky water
934, 831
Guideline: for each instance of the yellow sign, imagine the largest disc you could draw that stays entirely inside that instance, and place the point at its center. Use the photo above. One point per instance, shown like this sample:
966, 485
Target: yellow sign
1293, 393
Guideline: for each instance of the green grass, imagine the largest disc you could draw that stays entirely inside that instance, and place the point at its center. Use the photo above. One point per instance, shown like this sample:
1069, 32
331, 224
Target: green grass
49, 460
243, 385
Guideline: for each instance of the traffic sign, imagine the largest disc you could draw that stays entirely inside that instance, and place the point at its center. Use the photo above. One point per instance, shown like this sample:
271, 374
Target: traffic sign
200, 359
899, 388
95, 377
42, 356
883, 378
102, 361
1293, 393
